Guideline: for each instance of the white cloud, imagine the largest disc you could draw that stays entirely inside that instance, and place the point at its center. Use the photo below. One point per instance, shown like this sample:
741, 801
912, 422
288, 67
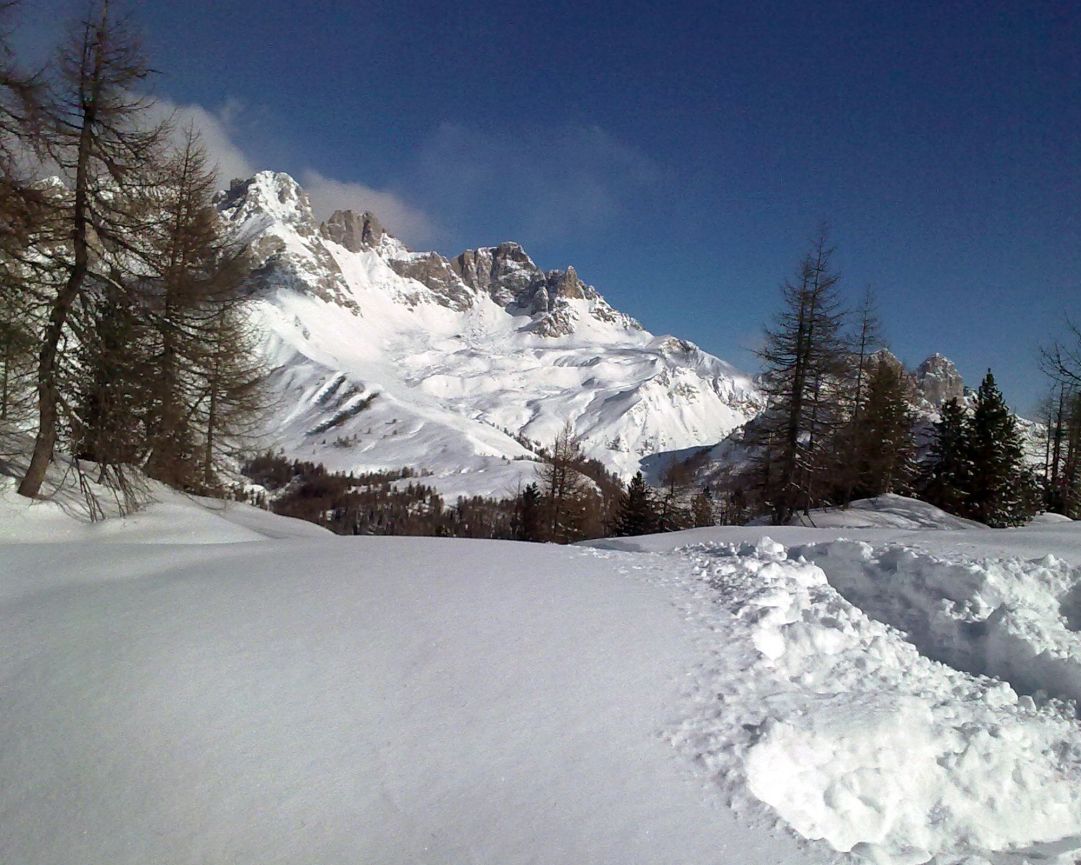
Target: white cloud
400, 218
216, 129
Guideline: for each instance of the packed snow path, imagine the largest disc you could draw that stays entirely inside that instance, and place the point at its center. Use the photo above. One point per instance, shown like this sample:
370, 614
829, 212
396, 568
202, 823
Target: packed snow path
254, 691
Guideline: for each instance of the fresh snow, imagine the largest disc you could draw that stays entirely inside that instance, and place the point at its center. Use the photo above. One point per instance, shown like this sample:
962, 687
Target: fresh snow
209, 683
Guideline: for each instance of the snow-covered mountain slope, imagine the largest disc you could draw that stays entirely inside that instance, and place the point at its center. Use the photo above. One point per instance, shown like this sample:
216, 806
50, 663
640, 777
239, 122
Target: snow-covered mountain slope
384, 357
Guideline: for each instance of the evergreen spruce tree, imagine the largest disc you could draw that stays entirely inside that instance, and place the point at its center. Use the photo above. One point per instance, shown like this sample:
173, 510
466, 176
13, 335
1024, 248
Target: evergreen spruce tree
1001, 488
529, 517
947, 474
638, 514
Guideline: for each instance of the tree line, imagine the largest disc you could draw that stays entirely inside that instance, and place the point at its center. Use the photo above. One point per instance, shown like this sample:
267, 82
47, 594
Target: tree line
838, 424
124, 342
123, 334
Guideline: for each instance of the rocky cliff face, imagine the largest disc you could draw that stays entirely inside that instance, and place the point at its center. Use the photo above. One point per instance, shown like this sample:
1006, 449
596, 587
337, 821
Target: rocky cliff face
939, 381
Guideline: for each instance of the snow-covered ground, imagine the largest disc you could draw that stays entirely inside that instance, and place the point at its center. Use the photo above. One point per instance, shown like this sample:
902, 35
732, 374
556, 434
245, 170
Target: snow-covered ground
196, 685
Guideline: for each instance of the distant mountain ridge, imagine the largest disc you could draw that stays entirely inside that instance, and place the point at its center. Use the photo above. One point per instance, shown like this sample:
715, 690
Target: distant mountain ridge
383, 357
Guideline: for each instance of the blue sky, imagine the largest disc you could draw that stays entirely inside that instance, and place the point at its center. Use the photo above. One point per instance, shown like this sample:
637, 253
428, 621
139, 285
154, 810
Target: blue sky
679, 155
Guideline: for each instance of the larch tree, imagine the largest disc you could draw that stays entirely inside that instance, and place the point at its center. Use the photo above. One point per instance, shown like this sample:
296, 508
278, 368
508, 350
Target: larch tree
803, 357
230, 401
195, 277
866, 339
98, 137
884, 456
568, 494
22, 215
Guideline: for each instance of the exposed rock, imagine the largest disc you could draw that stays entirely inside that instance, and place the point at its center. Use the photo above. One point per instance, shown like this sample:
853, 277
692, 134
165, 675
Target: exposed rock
263, 207
356, 232
566, 284
436, 272
938, 381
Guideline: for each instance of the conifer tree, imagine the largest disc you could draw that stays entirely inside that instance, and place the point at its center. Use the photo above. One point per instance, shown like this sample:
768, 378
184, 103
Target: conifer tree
98, 138
672, 514
1000, 489
702, 509
529, 515
568, 496
1062, 464
948, 472
110, 382
231, 402
884, 445
195, 274
22, 213
803, 356
638, 513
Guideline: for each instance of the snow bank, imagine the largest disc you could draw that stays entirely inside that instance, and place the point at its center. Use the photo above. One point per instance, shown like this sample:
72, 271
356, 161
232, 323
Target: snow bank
839, 724
887, 511
1012, 619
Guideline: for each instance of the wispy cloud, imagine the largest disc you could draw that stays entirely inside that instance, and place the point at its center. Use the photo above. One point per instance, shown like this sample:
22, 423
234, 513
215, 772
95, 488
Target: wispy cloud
217, 129
546, 183
220, 129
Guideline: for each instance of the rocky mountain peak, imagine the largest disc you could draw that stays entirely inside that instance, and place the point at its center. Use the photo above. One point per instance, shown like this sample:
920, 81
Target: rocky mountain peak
938, 381
269, 196
355, 231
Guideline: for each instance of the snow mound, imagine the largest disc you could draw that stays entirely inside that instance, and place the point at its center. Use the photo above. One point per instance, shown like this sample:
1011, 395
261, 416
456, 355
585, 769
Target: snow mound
166, 516
1012, 619
854, 736
887, 511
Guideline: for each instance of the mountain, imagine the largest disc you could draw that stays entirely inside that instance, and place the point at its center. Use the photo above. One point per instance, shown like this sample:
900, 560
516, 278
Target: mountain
460, 367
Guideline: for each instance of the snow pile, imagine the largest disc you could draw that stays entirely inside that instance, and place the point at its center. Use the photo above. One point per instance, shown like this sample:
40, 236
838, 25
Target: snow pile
889, 511
851, 735
1012, 619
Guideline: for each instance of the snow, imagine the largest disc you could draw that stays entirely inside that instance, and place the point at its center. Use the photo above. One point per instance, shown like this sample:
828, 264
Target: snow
200, 683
